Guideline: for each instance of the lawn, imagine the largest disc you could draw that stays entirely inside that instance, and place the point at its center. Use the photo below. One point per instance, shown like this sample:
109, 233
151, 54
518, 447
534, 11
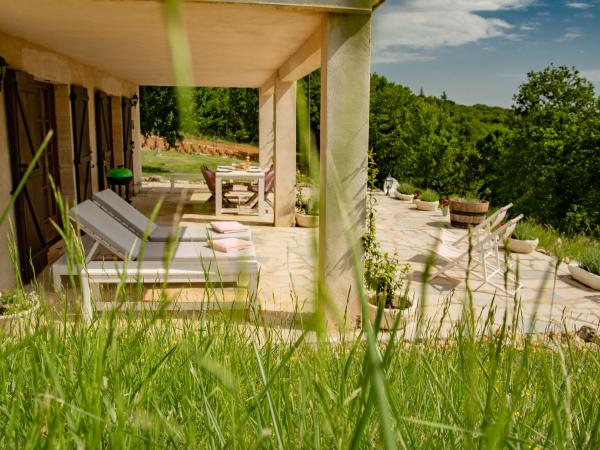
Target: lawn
166, 162
157, 383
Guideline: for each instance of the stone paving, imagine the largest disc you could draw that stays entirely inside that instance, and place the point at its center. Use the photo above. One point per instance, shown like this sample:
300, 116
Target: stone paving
288, 265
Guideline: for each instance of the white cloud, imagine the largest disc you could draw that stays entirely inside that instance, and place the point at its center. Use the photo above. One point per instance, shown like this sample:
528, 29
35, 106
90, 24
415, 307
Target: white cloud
570, 34
578, 5
429, 24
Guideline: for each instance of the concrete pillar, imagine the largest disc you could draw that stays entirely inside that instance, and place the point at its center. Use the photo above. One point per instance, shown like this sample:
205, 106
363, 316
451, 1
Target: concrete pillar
285, 153
136, 135
7, 275
345, 78
64, 134
266, 123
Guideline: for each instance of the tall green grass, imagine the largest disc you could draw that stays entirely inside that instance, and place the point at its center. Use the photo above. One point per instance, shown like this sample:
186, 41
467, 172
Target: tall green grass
199, 383
153, 380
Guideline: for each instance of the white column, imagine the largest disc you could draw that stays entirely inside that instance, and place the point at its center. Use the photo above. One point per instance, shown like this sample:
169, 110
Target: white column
285, 153
266, 123
345, 78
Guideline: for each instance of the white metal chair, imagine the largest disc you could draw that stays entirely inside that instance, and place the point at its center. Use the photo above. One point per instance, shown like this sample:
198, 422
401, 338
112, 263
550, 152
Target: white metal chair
484, 255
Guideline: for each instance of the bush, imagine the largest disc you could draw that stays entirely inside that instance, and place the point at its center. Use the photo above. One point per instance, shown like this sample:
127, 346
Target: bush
429, 195
525, 231
406, 188
590, 260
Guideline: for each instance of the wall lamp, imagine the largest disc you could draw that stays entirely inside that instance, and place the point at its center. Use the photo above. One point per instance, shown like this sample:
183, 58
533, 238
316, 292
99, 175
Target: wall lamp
134, 100
3, 67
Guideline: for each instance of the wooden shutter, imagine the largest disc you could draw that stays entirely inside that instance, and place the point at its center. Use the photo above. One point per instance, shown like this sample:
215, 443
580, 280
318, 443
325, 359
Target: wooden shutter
81, 141
30, 114
104, 142
127, 132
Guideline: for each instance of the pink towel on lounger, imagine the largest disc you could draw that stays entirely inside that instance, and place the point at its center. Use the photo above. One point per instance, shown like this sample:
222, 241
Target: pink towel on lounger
230, 245
228, 227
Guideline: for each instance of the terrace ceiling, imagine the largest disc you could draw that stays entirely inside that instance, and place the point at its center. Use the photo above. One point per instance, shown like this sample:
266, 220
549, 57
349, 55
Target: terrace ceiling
232, 43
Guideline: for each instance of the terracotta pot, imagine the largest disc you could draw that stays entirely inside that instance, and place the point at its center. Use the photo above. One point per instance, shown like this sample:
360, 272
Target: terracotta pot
521, 245
404, 197
427, 206
307, 221
464, 214
20, 322
584, 277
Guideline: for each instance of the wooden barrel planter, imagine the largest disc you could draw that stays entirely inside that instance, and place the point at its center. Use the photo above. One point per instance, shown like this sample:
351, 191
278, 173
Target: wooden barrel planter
464, 214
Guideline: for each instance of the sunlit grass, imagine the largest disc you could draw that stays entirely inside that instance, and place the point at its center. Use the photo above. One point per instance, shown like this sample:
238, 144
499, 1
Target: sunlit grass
167, 162
213, 383
555, 242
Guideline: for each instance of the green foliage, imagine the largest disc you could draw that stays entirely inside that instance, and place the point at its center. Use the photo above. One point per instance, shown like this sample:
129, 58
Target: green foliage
429, 195
159, 113
590, 260
230, 114
306, 205
384, 273
525, 231
406, 188
13, 301
550, 162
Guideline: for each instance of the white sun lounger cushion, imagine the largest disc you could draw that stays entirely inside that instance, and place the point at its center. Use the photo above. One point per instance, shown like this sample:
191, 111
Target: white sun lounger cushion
105, 229
140, 224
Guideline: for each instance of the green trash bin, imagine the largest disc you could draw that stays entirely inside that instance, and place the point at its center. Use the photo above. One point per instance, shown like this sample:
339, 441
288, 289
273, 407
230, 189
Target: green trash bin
118, 178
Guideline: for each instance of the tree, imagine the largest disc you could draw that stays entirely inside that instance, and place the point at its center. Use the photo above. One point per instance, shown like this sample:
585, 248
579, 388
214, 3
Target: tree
552, 159
159, 113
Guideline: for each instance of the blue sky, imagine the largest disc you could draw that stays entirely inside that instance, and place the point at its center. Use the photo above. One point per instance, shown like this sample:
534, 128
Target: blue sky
479, 51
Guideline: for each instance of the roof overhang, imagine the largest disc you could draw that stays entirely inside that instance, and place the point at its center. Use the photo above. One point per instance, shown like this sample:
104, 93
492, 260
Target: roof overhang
233, 43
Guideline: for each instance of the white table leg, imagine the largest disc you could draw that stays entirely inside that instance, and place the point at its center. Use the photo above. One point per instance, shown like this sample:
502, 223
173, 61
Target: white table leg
86, 306
218, 195
261, 196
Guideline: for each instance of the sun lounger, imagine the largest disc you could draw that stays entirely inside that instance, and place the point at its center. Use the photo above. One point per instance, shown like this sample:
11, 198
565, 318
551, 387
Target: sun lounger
484, 256
141, 226
153, 262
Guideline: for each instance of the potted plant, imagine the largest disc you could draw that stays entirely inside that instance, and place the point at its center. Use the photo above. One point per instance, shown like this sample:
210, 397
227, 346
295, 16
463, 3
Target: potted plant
587, 271
17, 308
383, 273
405, 191
523, 239
445, 206
307, 211
384, 279
468, 211
428, 200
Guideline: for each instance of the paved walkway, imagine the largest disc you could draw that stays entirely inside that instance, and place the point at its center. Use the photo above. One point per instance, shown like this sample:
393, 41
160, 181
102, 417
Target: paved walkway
288, 265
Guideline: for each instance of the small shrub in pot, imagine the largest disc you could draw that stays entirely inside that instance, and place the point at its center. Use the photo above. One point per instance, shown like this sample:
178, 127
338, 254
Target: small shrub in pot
428, 200
405, 191
588, 270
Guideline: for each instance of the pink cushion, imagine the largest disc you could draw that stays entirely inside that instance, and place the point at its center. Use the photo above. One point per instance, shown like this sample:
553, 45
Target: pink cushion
269, 180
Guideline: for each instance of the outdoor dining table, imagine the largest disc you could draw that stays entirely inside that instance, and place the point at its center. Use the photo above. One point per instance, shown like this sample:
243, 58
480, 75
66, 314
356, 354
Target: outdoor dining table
226, 173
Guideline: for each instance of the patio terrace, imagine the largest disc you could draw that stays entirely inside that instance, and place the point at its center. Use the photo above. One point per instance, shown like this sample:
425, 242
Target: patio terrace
288, 265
